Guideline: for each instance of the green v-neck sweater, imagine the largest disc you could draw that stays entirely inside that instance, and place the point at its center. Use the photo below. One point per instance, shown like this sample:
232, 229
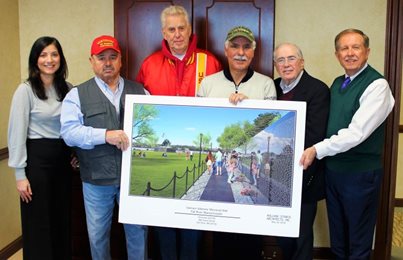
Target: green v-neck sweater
343, 104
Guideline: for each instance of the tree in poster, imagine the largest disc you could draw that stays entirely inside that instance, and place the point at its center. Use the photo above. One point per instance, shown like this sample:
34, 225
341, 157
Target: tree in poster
143, 132
239, 135
206, 141
151, 141
166, 142
264, 120
236, 135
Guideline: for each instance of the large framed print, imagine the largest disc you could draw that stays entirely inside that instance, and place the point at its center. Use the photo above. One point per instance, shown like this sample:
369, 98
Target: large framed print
204, 163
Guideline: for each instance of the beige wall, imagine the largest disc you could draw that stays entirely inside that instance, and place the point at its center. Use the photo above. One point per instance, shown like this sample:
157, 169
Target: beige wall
75, 23
10, 228
312, 24
399, 177
9, 79
9, 65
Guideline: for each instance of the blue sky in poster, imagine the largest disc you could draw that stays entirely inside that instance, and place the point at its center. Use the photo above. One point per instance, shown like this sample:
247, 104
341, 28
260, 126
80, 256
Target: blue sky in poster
183, 124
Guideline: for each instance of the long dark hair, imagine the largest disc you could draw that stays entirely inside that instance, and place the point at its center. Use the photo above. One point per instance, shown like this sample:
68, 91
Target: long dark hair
35, 75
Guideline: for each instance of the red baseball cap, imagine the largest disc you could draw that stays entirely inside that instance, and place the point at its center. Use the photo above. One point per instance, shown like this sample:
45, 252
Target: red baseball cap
104, 42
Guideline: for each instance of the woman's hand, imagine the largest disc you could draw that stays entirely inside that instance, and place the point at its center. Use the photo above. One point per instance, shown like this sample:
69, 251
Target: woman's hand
24, 188
75, 164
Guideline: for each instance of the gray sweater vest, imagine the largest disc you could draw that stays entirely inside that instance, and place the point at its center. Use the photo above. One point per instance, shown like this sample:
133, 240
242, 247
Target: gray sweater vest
102, 165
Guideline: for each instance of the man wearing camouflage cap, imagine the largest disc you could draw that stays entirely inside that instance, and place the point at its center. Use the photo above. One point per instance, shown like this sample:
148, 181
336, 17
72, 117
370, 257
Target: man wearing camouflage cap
238, 81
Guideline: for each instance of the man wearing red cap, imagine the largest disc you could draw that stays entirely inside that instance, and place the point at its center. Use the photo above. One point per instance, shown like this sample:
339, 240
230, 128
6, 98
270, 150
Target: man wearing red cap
92, 123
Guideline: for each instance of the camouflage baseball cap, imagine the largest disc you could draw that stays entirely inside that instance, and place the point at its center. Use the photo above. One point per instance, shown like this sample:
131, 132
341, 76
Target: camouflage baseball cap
240, 31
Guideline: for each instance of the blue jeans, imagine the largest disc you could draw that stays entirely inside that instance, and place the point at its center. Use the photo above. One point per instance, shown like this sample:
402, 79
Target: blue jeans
99, 202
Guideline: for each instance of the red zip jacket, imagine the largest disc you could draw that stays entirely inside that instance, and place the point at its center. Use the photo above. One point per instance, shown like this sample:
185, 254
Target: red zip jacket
163, 74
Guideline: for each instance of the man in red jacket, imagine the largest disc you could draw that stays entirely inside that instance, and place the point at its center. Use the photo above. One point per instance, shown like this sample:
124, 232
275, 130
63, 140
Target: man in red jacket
178, 68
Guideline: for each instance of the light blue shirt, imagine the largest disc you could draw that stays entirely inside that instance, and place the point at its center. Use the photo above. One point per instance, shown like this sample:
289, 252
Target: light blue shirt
287, 88
73, 130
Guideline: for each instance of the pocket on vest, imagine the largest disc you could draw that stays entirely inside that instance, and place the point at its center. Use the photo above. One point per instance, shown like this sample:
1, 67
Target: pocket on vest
95, 116
104, 165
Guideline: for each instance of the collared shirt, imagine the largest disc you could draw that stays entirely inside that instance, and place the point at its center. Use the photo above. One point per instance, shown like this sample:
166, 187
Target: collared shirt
255, 86
287, 88
179, 56
356, 74
73, 130
113, 97
376, 102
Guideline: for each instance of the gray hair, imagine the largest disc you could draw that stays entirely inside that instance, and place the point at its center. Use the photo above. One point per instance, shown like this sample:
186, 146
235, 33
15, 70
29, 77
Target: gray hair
226, 44
173, 10
347, 31
299, 52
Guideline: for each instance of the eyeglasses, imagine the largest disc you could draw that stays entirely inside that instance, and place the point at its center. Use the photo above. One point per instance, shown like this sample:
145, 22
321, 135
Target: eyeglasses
282, 60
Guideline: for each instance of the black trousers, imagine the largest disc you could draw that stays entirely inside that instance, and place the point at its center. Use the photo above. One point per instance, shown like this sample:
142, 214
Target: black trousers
352, 205
300, 248
175, 243
46, 219
237, 246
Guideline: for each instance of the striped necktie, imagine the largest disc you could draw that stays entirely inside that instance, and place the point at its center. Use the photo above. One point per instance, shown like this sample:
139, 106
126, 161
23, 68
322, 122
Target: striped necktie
345, 83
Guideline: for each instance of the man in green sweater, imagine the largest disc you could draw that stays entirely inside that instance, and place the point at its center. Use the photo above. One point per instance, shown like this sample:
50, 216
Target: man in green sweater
360, 102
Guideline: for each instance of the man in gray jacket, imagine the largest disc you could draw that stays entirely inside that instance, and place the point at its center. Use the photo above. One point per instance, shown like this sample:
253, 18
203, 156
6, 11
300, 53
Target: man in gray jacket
92, 122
